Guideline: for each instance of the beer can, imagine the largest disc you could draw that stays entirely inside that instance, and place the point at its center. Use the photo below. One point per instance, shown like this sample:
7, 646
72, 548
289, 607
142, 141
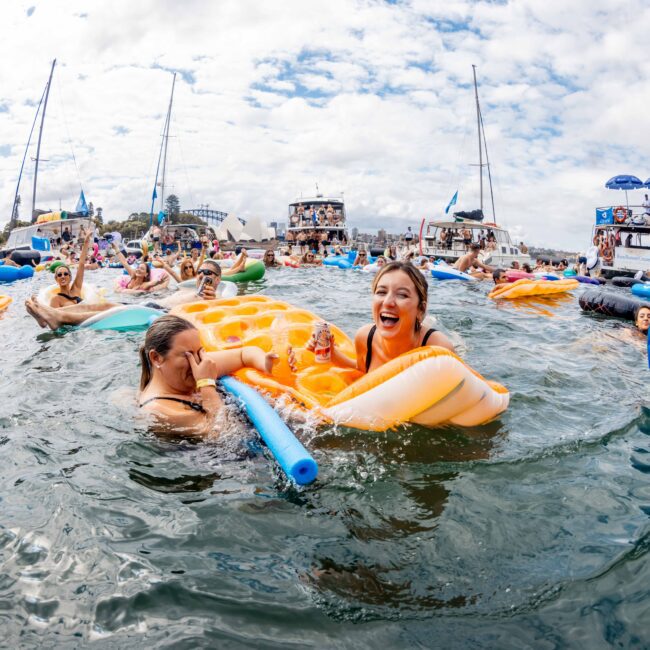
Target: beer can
323, 347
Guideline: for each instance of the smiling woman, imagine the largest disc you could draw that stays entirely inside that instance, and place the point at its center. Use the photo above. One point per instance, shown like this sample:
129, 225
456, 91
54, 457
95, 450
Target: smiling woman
399, 305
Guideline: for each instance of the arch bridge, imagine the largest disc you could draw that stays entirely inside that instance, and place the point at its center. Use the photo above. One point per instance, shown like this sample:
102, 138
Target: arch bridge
213, 217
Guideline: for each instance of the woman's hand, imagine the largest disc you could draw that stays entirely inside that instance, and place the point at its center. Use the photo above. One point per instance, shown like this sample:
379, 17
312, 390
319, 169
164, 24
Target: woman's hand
269, 360
202, 366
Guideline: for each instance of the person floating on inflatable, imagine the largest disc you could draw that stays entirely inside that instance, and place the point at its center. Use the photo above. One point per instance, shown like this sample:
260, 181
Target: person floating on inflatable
178, 380
208, 279
467, 262
399, 305
69, 292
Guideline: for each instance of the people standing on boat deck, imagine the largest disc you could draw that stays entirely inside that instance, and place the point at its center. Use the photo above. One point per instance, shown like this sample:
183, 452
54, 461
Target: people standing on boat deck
523, 248
628, 241
65, 235
408, 236
469, 260
155, 237
466, 234
443, 238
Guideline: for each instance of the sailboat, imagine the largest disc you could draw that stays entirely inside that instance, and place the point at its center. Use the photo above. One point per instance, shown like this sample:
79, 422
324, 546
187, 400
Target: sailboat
454, 243
33, 242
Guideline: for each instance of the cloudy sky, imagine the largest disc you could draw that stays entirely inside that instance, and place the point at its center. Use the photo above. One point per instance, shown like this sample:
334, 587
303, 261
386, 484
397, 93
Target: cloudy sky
373, 99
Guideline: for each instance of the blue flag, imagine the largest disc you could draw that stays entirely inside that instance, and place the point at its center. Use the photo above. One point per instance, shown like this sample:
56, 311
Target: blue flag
82, 208
454, 198
154, 196
161, 218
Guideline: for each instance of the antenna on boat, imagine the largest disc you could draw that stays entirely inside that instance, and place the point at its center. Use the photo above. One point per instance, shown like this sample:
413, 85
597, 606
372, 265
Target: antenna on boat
482, 142
162, 155
40, 135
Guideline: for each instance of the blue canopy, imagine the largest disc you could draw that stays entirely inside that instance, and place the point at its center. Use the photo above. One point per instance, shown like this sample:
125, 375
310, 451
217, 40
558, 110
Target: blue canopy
647, 183
624, 182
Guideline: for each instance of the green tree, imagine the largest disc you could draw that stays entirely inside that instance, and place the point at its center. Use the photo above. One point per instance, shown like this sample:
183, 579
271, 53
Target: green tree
173, 206
10, 226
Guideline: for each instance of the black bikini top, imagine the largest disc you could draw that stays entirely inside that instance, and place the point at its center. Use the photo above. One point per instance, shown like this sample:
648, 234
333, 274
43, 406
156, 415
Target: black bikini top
75, 299
193, 405
371, 336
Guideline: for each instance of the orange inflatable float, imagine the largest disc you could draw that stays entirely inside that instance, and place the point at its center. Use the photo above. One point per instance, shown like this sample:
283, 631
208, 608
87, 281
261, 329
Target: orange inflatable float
5, 301
525, 288
430, 385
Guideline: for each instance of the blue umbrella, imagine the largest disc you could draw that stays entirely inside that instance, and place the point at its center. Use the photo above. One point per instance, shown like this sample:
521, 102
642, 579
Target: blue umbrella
624, 182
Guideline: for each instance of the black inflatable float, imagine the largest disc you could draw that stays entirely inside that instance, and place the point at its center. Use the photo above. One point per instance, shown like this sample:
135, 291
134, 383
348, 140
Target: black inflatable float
624, 281
610, 304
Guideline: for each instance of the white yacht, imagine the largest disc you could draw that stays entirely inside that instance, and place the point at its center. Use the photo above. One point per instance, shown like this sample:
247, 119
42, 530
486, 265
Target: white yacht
321, 214
501, 253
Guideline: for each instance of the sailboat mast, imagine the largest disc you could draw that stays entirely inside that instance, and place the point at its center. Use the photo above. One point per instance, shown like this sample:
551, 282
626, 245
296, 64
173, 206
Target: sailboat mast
40, 135
166, 138
478, 129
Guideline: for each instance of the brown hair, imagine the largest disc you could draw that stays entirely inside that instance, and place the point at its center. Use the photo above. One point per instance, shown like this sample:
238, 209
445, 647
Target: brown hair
214, 264
160, 337
419, 281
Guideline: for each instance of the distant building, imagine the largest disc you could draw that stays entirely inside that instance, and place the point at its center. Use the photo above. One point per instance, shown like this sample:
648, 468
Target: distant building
381, 236
355, 233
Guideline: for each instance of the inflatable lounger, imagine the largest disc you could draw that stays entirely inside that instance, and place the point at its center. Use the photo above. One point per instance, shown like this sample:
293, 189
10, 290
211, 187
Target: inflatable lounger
642, 290
254, 270
442, 271
430, 386
5, 301
610, 304
124, 318
526, 288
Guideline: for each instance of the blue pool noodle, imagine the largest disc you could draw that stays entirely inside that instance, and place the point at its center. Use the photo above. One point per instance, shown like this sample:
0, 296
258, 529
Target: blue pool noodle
285, 447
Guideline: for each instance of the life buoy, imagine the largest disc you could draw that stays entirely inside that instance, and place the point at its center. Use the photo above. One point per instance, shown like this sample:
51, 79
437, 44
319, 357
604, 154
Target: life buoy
620, 214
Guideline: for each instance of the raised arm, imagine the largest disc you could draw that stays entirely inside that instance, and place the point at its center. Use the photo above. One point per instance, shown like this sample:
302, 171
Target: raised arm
127, 267
170, 271
204, 247
79, 276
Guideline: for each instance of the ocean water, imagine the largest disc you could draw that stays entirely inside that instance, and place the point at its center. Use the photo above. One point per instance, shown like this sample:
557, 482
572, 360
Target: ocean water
532, 531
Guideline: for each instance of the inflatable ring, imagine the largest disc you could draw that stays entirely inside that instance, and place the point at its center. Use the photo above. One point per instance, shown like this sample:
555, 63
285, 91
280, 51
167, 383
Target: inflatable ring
430, 386
525, 288
5, 301
253, 271
610, 304
225, 288
89, 294
620, 214
442, 271
622, 281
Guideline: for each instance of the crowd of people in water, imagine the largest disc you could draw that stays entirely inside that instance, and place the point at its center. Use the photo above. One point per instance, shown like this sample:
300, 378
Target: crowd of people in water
177, 384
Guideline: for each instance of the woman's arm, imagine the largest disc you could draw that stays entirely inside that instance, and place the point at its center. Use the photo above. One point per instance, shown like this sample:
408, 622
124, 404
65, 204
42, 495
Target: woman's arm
170, 271
127, 267
229, 361
202, 256
79, 277
160, 283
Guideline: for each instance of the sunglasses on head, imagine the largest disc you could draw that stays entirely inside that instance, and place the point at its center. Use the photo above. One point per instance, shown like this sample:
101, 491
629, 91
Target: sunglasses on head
62, 274
207, 272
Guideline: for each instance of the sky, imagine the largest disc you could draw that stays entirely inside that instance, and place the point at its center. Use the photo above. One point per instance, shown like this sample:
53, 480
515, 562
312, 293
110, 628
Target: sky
372, 100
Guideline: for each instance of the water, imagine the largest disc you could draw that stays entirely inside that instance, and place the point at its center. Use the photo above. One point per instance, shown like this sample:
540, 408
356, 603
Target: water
530, 531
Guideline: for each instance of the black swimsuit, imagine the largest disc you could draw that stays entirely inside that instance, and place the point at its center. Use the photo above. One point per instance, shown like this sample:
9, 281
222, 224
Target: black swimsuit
371, 335
193, 405
74, 299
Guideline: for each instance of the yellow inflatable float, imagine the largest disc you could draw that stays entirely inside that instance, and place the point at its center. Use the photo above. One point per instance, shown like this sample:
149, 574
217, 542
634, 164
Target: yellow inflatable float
430, 385
5, 301
525, 288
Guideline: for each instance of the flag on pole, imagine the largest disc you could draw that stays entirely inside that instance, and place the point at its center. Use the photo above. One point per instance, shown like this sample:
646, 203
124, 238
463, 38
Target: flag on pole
154, 196
454, 198
82, 207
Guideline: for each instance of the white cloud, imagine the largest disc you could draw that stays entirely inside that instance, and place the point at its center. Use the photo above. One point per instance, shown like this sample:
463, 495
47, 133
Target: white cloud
387, 116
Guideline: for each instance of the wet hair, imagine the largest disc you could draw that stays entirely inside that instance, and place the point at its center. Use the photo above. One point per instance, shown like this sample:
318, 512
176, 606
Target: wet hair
496, 274
214, 264
159, 337
526, 267
475, 247
419, 281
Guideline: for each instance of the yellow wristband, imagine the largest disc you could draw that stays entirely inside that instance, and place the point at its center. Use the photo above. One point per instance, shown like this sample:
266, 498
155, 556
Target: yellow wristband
203, 383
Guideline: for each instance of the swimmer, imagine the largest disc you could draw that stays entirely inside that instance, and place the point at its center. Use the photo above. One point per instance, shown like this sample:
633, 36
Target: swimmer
642, 319
465, 262
361, 259
178, 380
499, 276
140, 277
309, 259
399, 305
70, 290
77, 314
269, 260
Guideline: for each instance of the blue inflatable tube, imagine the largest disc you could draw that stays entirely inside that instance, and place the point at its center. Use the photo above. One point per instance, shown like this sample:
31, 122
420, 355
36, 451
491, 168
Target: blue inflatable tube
338, 262
125, 318
642, 290
294, 459
13, 273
